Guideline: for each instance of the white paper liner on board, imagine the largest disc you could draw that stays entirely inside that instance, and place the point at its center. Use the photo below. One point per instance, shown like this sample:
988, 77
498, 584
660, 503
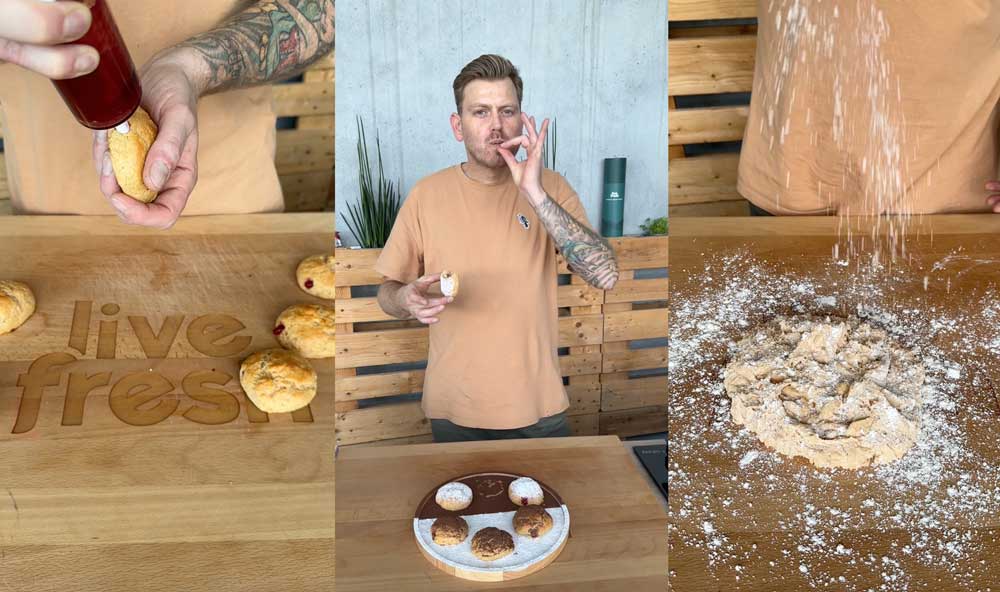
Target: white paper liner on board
527, 551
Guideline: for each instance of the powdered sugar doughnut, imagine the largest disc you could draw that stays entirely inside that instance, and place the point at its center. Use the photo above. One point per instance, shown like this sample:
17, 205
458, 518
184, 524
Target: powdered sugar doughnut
525, 491
449, 283
454, 496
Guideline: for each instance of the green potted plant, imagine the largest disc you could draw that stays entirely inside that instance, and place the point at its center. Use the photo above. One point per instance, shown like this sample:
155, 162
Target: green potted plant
372, 218
655, 227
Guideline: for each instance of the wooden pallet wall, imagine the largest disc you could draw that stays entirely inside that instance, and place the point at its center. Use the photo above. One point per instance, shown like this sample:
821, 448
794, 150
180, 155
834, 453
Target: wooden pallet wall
708, 60
598, 328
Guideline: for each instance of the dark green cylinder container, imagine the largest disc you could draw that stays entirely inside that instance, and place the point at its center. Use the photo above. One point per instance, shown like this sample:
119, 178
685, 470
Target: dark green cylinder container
613, 207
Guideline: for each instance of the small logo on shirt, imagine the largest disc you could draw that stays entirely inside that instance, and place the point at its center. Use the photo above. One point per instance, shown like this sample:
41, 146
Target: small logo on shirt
523, 220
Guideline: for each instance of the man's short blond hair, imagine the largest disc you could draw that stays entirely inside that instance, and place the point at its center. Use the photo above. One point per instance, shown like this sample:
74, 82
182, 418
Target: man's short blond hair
486, 67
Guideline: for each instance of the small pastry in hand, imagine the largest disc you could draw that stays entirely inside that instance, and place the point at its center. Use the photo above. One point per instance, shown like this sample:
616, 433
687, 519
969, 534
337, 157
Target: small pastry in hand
128, 155
17, 304
449, 283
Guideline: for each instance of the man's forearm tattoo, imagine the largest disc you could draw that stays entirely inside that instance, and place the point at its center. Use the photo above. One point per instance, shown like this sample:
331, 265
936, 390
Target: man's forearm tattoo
587, 254
265, 43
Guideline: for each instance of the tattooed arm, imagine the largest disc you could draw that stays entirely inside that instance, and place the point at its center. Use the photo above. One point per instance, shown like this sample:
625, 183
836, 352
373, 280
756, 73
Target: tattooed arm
587, 254
265, 43
269, 41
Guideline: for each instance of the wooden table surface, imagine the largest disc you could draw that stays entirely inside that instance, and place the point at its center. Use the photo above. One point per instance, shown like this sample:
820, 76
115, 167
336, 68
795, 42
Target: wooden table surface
800, 246
130, 459
617, 527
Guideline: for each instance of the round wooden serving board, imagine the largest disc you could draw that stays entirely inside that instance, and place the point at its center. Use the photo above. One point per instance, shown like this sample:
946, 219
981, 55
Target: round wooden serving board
489, 496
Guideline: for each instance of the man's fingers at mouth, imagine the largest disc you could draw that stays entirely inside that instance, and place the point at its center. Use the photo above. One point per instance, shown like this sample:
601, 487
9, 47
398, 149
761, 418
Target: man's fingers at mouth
518, 141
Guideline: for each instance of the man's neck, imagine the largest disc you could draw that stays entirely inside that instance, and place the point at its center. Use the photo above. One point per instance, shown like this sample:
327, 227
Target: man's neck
484, 174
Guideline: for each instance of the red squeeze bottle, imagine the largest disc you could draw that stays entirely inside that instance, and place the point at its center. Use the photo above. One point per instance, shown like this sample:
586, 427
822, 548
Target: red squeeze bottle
109, 95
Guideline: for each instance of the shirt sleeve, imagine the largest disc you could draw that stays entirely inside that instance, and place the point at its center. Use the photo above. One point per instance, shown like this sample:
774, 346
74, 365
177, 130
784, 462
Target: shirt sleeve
402, 258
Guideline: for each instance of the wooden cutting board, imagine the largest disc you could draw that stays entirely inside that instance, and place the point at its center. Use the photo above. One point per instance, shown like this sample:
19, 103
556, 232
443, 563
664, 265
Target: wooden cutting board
764, 548
618, 537
131, 459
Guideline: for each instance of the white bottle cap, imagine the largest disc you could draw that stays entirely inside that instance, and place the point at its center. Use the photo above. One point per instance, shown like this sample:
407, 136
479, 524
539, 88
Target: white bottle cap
122, 128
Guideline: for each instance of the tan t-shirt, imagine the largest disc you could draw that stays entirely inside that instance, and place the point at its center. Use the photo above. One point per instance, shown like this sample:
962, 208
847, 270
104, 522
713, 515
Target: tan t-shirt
493, 360
49, 165
865, 107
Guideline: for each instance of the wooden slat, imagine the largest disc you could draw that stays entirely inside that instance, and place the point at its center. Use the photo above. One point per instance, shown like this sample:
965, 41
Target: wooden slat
712, 124
630, 394
699, 10
637, 290
711, 31
303, 98
704, 179
355, 267
317, 122
578, 295
633, 422
370, 386
580, 364
584, 425
584, 398
360, 310
410, 345
405, 420
364, 310
324, 63
382, 347
648, 252
381, 423
326, 74
711, 64
307, 191
302, 151
714, 209
635, 324
635, 359
421, 439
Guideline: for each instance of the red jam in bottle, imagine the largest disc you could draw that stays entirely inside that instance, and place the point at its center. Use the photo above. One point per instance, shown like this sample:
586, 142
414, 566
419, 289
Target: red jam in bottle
110, 94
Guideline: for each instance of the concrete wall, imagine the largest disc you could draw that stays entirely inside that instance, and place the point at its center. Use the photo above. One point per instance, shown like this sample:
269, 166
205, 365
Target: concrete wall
597, 66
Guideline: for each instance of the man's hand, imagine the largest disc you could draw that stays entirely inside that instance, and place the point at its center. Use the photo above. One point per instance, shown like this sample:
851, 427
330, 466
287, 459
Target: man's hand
31, 31
994, 198
415, 300
527, 174
170, 97
406, 301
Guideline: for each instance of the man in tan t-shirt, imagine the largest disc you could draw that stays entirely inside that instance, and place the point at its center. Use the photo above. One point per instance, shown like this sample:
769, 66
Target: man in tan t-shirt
493, 366
874, 107
189, 50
